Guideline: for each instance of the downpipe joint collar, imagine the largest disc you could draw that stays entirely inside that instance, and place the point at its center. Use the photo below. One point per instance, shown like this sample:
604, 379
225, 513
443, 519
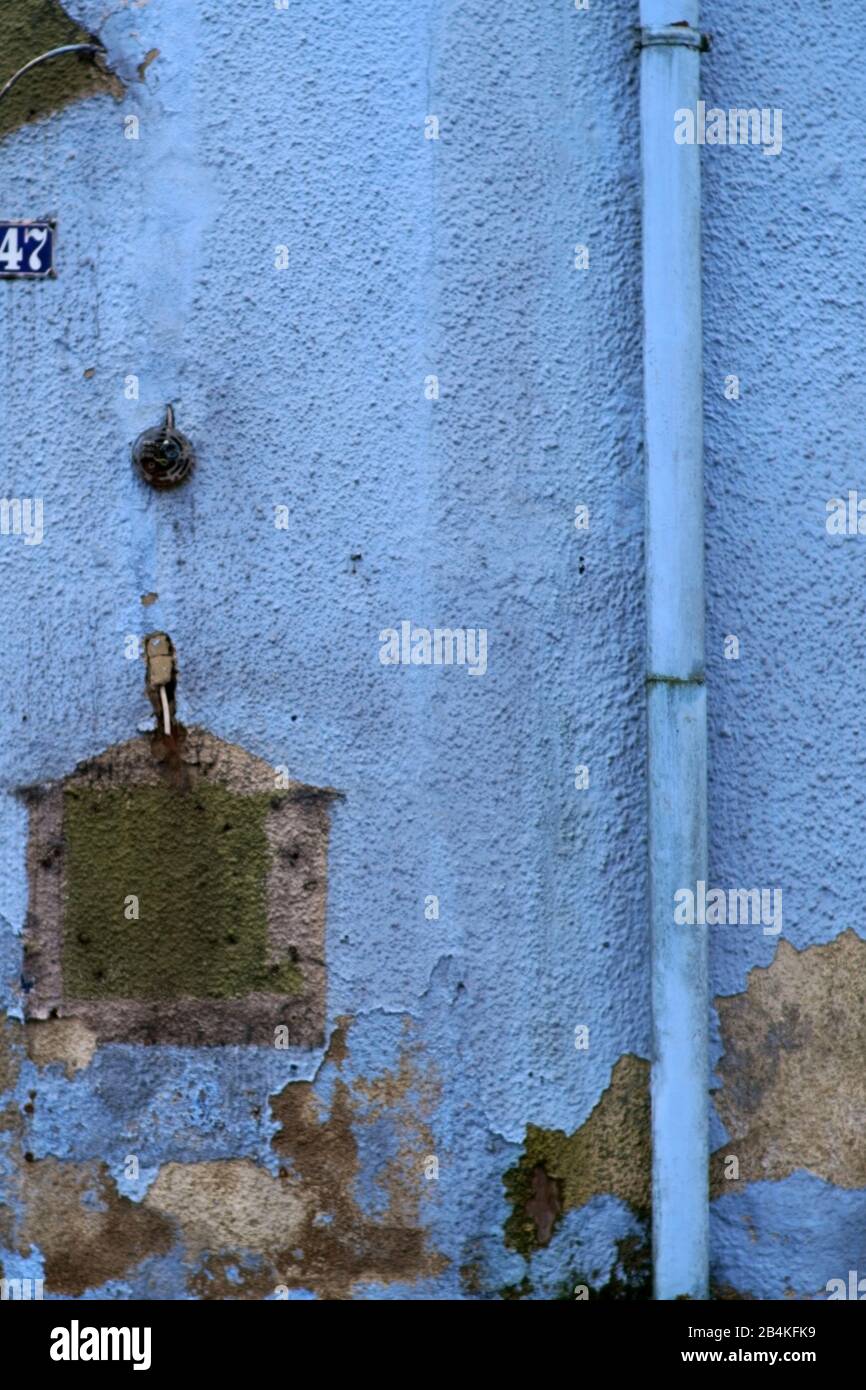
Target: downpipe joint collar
672, 36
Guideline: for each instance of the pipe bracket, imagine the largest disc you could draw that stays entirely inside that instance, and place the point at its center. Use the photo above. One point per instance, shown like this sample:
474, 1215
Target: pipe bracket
672, 36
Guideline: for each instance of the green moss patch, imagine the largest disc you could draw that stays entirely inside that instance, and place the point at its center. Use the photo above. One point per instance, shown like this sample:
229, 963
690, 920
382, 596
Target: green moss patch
608, 1154
27, 29
197, 864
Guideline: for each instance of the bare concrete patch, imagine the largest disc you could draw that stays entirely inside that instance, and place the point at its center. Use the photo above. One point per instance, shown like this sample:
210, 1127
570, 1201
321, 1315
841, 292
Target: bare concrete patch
65, 1040
793, 1092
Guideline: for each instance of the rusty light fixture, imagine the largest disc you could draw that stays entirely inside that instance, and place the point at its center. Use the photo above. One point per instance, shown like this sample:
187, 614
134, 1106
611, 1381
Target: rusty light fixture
163, 456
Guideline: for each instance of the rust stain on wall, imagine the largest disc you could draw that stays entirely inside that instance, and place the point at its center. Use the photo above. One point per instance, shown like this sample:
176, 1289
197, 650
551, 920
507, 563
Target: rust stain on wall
610, 1153
793, 1089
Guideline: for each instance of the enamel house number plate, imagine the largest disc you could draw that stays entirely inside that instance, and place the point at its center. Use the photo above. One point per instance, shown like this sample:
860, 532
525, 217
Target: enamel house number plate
26, 250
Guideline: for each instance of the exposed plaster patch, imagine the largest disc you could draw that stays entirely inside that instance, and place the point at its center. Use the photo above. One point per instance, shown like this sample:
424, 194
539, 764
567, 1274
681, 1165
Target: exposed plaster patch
232, 1204
793, 1090
11, 1118
86, 1231
610, 1153
232, 1276
245, 1232
31, 27
65, 1040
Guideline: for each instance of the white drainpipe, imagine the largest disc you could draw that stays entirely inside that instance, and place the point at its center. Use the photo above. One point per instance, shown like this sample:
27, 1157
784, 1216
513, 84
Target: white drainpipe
676, 694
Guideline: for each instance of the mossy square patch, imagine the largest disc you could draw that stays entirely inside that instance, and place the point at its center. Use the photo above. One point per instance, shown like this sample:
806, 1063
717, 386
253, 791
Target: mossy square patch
166, 895
181, 905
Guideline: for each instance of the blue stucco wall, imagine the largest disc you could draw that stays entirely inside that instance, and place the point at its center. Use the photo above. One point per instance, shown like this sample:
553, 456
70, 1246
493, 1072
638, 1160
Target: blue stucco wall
783, 290
304, 387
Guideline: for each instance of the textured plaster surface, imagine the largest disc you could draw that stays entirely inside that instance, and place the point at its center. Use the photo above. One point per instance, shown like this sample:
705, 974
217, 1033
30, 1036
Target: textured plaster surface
304, 388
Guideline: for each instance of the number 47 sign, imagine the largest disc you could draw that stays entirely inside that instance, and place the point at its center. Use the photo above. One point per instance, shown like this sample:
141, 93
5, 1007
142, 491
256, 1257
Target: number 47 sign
26, 250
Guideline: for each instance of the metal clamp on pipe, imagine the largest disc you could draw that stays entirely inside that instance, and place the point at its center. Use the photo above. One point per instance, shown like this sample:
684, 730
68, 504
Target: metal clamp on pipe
672, 36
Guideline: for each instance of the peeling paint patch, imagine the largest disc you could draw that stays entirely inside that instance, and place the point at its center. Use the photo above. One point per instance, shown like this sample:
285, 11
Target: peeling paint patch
31, 27
232, 1275
793, 1080
241, 1230
149, 57
341, 1244
609, 1154
65, 1040
11, 1119
86, 1231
